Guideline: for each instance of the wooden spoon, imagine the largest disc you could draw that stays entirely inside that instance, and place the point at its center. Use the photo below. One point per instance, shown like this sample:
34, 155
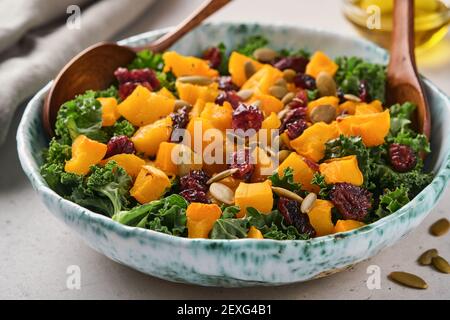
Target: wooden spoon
403, 83
94, 67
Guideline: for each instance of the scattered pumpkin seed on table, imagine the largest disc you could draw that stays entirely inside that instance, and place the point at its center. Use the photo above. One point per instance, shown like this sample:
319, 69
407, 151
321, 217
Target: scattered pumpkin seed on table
441, 264
425, 258
440, 227
408, 279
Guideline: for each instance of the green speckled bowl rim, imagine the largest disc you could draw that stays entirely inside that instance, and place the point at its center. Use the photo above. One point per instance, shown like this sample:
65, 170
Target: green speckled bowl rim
32, 171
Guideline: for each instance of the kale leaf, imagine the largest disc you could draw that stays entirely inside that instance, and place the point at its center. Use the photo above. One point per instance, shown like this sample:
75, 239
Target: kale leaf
228, 227
319, 180
353, 70
111, 92
249, 45
286, 181
147, 59
391, 201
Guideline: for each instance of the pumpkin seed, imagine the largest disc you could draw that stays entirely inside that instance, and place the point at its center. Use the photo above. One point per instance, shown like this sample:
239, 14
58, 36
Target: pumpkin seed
289, 75
198, 80
425, 258
283, 154
278, 91
440, 227
287, 194
281, 82
222, 175
245, 94
325, 84
180, 104
283, 113
441, 264
288, 97
264, 54
249, 69
308, 202
257, 103
222, 193
351, 97
408, 279
323, 113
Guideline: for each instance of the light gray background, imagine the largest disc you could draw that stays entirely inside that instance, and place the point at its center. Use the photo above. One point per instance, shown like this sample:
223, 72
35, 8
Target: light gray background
36, 249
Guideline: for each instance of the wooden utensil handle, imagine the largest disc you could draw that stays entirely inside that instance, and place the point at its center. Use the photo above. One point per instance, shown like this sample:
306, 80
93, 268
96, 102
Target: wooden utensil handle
203, 12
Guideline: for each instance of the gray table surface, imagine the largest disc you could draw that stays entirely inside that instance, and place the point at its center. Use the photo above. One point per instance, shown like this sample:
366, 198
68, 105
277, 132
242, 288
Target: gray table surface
36, 249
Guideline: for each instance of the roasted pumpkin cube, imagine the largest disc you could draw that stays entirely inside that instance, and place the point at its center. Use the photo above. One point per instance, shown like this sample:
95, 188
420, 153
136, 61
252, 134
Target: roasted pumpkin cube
272, 123
201, 218
367, 108
166, 93
320, 217
339, 170
311, 143
143, 107
85, 153
256, 195
150, 184
348, 107
219, 116
347, 225
148, 138
129, 162
187, 66
264, 165
164, 159
254, 233
197, 109
192, 93
110, 114
303, 170
263, 79
269, 103
236, 67
372, 128
320, 62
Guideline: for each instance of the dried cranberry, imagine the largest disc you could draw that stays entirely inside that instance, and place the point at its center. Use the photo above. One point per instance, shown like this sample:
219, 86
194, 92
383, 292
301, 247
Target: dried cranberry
353, 202
193, 195
213, 56
118, 145
229, 96
130, 79
292, 116
196, 180
305, 81
296, 128
364, 91
290, 210
241, 160
247, 117
313, 165
300, 100
127, 88
402, 157
180, 119
296, 63
226, 84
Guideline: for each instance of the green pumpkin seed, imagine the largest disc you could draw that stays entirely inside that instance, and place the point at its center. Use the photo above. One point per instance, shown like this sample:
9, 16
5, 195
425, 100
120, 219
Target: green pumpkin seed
249, 69
281, 82
323, 113
245, 94
283, 154
425, 258
308, 202
351, 97
221, 193
264, 54
441, 264
257, 103
180, 104
283, 113
408, 279
198, 80
325, 84
222, 175
278, 91
287, 194
289, 75
440, 227
288, 97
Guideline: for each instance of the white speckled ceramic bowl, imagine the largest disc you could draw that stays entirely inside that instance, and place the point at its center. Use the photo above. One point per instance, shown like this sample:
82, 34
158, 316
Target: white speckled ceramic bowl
246, 262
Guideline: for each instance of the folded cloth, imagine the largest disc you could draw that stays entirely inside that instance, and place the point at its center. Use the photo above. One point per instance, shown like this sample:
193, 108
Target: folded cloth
37, 38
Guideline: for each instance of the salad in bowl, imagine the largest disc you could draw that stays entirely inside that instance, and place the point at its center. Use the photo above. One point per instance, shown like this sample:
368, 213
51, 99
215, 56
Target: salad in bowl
241, 142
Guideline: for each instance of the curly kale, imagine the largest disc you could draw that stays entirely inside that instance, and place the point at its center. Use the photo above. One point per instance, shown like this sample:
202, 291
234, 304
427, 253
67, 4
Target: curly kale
391, 201
295, 53
106, 189
353, 70
228, 227
111, 92
286, 181
250, 44
121, 128
82, 115
223, 67
319, 180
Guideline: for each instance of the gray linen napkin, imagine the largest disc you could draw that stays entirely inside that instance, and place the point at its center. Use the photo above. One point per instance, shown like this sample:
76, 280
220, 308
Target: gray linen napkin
36, 41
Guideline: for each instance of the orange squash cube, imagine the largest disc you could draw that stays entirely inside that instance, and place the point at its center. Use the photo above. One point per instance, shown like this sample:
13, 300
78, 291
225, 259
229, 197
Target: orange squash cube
201, 218
372, 128
311, 143
254, 233
219, 116
129, 162
271, 123
320, 62
269, 103
264, 166
263, 79
236, 67
164, 158
85, 153
110, 114
150, 184
148, 138
302, 172
320, 217
191, 93
347, 225
143, 107
339, 170
367, 108
187, 66
166, 93
348, 107
256, 195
